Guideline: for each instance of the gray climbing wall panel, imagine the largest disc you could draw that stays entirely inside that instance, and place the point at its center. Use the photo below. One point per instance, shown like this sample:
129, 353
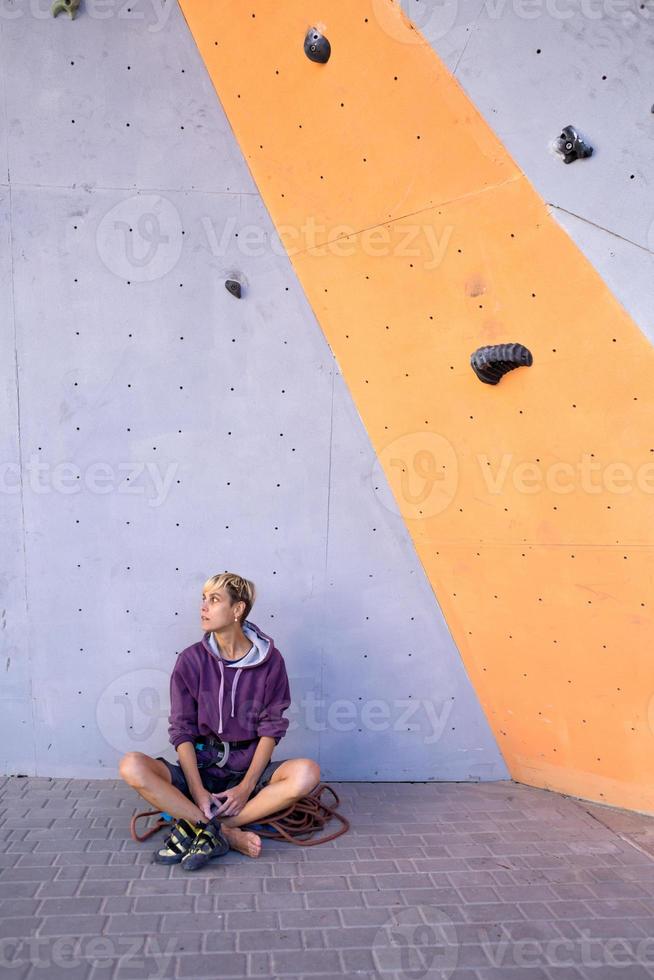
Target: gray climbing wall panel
169, 431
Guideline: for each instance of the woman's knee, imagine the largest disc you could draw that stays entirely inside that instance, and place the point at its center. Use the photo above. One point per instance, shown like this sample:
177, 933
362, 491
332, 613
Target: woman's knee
134, 767
305, 775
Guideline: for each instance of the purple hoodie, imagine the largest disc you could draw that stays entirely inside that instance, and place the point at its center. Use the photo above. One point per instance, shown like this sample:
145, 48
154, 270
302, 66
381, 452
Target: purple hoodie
236, 700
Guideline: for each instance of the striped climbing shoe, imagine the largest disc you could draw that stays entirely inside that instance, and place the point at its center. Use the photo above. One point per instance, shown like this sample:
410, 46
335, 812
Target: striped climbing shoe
209, 843
178, 843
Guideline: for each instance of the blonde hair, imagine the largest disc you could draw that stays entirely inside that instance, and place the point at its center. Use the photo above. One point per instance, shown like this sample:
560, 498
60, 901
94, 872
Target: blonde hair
237, 588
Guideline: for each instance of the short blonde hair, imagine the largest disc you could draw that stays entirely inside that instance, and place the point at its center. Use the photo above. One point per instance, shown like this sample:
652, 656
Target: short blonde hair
237, 588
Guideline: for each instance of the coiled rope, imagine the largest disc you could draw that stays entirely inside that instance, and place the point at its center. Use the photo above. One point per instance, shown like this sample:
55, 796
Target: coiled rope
296, 823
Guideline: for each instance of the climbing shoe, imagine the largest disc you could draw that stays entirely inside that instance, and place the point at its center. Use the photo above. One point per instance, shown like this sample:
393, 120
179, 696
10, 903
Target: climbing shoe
209, 843
177, 844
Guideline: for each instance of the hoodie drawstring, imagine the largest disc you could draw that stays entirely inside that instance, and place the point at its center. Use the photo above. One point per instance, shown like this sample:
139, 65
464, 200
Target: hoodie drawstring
238, 674
220, 696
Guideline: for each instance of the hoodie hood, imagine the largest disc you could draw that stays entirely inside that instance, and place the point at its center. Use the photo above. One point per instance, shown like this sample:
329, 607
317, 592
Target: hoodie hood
259, 654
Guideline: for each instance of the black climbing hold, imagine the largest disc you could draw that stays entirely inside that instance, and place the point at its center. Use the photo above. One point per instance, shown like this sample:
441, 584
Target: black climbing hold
491, 363
233, 286
316, 46
571, 146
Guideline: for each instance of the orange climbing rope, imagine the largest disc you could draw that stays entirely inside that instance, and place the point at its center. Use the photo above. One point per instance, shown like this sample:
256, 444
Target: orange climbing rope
296, 824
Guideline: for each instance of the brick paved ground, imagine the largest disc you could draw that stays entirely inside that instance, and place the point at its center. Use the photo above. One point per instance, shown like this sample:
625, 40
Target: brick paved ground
445, 881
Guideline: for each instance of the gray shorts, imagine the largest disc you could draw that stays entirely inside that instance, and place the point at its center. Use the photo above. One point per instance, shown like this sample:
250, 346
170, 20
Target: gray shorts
216, 784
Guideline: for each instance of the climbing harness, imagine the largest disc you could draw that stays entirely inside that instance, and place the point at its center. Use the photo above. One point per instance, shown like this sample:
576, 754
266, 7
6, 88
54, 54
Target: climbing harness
210, 750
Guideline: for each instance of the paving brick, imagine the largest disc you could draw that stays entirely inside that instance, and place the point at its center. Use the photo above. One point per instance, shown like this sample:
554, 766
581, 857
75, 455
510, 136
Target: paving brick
252, 940
18, 907
333, 899
295, 962
243, 920
18, 889
492, 912
314, 883
218, 939
351, 936
117, 903
122, 924
73, 925
277, 885
17, 926
59, 889
98, 888
307, 918
69, 906
285, 900
163, 903
212, 965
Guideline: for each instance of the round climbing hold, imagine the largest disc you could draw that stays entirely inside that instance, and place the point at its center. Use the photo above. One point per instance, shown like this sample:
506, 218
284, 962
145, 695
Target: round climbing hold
316, 46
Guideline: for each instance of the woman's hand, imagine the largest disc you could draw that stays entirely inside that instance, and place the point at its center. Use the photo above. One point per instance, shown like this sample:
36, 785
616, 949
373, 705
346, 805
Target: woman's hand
231, 801
204, 799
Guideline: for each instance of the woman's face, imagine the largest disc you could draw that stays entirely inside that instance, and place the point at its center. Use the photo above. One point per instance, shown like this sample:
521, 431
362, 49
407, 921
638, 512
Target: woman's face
216, 612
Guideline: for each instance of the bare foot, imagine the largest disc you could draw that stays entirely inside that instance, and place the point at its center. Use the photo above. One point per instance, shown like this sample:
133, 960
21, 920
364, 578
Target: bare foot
245, 841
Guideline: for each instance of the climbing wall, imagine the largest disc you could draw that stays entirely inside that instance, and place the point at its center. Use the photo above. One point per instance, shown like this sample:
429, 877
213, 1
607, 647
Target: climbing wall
529, 504
160, 430
583, 62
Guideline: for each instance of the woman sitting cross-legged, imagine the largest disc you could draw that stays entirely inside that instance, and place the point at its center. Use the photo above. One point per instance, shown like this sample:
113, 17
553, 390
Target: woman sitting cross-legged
228, 693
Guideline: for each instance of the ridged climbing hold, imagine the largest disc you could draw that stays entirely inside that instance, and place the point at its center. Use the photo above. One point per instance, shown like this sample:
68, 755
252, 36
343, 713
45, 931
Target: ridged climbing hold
491, 363
571, 146
233, 286
316, 46
69, 6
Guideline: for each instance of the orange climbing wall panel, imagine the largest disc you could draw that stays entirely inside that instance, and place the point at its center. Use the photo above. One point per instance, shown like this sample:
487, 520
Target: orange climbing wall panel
417, 239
